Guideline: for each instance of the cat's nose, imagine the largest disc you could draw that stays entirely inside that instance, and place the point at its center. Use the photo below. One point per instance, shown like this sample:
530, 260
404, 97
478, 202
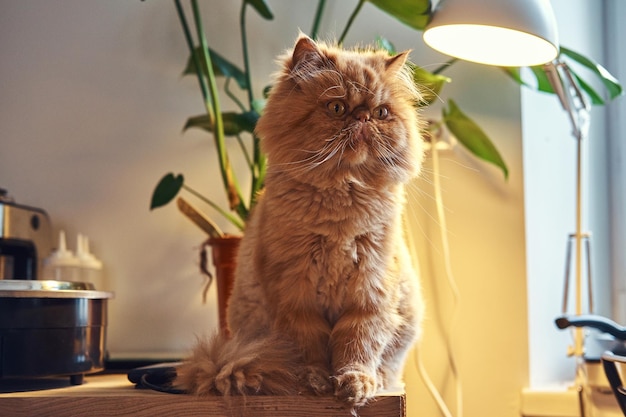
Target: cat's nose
361, 114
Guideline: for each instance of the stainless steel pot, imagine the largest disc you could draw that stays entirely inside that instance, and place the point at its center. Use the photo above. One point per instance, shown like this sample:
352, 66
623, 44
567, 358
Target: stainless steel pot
50, 328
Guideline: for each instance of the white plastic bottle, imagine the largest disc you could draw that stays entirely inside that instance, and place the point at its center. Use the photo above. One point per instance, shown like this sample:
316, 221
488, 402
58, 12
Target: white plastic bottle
62, 264
90, 266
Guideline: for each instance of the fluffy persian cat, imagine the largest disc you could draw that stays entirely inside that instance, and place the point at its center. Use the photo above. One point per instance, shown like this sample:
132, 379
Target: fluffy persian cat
325, 300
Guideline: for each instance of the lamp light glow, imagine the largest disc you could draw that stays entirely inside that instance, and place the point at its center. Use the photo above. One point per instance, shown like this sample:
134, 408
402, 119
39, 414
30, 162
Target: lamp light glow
495, 32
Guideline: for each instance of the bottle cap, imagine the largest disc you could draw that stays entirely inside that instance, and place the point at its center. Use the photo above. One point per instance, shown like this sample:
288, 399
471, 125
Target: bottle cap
61, 256
85, 257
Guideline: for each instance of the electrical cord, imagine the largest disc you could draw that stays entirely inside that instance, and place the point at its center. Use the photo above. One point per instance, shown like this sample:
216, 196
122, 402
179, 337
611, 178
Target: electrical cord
445, 246
443, 230
432, 389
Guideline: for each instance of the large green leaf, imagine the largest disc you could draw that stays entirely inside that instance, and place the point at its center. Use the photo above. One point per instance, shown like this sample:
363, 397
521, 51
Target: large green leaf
515, 73
234, 123
543, 82
221, 67
596, 98
611, 84
166, 190
429, 84
261, 7
414, 13
470, 135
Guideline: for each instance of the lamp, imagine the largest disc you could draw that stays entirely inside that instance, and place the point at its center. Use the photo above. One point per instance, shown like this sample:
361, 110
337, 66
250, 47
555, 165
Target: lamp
521, 33
495, 32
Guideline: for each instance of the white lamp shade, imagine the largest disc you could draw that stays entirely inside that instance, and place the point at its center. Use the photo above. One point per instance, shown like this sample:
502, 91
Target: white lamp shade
496, 32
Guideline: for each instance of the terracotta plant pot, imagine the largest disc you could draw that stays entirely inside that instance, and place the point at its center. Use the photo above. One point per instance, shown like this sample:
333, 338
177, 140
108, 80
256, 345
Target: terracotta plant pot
224, 254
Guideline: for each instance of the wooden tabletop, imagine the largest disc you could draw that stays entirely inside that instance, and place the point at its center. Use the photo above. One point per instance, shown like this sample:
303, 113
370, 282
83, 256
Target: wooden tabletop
114, 395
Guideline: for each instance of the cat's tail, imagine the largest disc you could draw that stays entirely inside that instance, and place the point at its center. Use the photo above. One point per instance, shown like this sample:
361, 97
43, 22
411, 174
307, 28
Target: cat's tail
234, 366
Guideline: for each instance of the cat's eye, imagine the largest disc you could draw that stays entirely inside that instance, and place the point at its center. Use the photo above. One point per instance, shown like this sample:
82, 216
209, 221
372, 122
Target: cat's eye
336, 107
380, 112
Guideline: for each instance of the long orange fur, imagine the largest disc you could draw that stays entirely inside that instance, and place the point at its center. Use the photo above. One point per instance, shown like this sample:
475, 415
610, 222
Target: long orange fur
326, 300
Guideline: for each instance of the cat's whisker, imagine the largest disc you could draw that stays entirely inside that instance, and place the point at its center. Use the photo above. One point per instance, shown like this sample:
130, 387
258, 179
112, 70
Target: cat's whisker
432, 92
343, 149
314, 155
411, 213
361, 88
317, 158
435, 65
385, 149
326, 93
350, 141
336, 136
417, 195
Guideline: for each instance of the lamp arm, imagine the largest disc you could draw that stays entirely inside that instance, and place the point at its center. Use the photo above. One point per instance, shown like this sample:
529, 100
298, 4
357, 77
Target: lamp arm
570, 96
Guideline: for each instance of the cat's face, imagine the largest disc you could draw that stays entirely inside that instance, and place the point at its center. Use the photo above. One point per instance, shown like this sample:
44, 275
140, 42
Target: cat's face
338, 115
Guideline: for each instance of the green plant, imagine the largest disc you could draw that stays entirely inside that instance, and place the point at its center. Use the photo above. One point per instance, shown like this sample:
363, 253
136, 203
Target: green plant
207, 65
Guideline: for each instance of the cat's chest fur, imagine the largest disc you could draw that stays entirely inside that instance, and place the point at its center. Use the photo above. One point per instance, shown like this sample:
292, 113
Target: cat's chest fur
337, 268
338, 238
342, 213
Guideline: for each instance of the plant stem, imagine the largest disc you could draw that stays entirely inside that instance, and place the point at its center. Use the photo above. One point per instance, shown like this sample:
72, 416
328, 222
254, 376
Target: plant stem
234, 220
232, 96
445, 66
350, 21
318, 18
432, 131
244, 49
196, 62
258, 157
232, 187
246, 155
261, 167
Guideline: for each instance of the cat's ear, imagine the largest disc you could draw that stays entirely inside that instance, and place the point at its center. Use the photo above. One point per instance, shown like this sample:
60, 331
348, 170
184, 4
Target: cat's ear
396, 62
307, 51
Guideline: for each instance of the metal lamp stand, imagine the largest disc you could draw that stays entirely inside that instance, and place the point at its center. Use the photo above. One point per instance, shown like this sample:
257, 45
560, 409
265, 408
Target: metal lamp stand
577, 108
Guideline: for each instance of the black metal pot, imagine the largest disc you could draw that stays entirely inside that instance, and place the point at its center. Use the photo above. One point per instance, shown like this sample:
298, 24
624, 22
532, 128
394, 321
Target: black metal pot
50, 328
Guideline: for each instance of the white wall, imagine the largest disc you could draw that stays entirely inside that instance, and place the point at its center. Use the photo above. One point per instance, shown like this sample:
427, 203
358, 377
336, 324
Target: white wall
616, 63
91, 110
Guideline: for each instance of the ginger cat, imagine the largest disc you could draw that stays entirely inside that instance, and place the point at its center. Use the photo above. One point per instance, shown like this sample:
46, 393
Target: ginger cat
326, 300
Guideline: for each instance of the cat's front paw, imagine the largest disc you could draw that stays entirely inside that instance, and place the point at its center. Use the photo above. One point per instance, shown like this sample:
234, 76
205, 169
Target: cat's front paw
317, 379
233, 379
355, 387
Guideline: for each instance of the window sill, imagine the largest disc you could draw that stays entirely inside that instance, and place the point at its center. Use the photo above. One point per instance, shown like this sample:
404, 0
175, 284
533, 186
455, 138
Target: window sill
554, 402
563, 401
